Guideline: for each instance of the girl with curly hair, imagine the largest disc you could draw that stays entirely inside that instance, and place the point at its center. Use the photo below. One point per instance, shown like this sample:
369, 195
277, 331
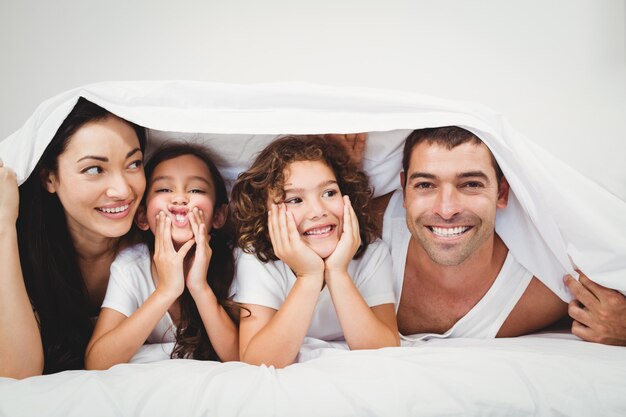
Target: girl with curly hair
165, 291
309, 263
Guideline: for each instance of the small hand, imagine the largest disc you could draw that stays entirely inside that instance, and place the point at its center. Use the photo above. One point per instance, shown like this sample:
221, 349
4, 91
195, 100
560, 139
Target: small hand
599, 313
168, 262
9, 196
288, 244
349, 241
353, 143
197, 275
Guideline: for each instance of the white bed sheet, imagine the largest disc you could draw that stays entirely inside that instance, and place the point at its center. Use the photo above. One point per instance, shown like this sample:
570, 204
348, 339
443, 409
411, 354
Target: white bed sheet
556, 219
539, 375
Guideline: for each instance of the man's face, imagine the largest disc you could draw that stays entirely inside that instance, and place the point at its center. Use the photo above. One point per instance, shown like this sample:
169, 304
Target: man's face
451, 197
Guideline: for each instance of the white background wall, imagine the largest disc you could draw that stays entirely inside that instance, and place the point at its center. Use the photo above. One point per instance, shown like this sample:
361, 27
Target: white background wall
556, 69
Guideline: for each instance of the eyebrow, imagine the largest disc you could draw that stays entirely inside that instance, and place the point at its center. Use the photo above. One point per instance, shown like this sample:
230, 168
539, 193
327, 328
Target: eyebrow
171, 178
468, 174
105, 159
320, 185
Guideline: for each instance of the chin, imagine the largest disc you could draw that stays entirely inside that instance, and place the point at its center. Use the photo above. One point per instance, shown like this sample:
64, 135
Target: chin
324, 251
181, 236
119, 231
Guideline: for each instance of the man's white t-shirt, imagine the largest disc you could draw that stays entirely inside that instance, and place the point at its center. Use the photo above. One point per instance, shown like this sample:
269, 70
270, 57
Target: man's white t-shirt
130, 285
268, 284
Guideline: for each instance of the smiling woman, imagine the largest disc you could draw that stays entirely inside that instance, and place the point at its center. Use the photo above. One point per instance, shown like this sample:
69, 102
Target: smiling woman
75, 212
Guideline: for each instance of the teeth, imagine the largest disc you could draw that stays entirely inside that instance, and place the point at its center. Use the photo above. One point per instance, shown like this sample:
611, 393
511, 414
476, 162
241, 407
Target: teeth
449, 231
319, 231
180, 218
115, 209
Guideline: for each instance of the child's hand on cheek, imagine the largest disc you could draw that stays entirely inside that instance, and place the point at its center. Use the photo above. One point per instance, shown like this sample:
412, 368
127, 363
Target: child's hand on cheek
289, 246
168, 262
348, 242
196, 277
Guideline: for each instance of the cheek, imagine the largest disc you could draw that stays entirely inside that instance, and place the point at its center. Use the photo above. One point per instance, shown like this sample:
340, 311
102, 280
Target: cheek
139, 184
337, 209
205, 204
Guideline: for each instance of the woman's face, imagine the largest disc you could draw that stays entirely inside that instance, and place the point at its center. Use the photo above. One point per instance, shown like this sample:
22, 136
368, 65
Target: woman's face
100, 179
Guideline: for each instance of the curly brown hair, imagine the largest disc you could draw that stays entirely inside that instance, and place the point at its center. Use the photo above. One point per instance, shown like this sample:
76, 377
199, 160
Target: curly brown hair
266, 176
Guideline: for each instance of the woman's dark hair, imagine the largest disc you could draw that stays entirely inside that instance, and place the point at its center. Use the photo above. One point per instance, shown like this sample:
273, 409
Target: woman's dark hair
266, 177
192, 340
49, 261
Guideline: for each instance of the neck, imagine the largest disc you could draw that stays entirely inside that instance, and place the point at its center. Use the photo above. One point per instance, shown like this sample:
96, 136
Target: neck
479, 269
91, 248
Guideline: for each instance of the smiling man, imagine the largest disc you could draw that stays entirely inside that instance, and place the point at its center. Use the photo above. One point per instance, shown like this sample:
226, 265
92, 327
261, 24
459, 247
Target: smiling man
454, 276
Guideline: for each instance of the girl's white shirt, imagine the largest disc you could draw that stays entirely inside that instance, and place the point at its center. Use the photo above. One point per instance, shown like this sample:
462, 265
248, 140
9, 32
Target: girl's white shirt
268, 284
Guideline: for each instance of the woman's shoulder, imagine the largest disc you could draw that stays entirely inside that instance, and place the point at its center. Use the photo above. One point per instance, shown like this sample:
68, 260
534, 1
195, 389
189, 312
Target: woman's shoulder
132, 254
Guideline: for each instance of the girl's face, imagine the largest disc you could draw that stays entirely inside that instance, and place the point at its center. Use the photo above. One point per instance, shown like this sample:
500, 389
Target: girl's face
176, 187
100, 179
312, 195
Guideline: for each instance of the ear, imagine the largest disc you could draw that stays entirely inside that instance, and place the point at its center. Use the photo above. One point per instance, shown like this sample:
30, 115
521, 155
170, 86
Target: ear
503, 194
403, 185
219, 216
48, 180
141, 218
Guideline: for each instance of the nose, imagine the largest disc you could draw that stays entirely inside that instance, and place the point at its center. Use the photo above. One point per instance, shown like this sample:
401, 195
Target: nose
119, 188
315, 208
447, 203
179, 199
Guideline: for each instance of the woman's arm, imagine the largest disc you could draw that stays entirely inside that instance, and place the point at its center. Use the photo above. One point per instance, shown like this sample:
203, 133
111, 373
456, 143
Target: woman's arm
352, 311
21, 350
271, 337
116, 337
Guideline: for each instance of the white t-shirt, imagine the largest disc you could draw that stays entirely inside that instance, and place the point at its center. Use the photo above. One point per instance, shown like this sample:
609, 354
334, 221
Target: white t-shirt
268, 284
487, 316
130, 284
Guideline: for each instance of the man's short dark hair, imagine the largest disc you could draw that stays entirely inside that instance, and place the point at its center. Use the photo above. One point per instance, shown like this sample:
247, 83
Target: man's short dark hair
448, 136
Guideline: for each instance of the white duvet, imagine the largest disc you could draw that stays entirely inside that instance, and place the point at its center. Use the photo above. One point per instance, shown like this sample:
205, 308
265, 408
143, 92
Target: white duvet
540, 375
556, 220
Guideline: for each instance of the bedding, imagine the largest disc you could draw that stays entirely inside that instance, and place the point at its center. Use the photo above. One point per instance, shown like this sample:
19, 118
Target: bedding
556, 221
540, 375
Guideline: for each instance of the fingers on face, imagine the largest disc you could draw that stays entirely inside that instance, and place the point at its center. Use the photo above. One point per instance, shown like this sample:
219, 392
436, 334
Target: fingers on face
292, 229
350, 220
274, 229
159, 231
270, 223
283, 229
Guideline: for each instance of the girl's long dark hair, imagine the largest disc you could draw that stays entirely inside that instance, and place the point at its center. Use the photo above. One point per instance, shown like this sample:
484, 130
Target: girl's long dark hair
49, 261
192, 340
